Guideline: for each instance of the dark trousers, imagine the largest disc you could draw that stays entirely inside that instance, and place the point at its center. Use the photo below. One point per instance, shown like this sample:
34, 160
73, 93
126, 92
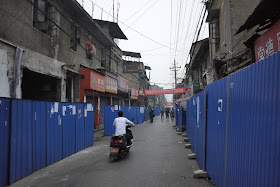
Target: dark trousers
151, 119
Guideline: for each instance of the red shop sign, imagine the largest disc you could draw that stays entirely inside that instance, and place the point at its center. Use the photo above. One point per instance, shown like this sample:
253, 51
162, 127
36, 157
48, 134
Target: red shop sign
122, 84
134, 93
111, 85
268, 43
92, 80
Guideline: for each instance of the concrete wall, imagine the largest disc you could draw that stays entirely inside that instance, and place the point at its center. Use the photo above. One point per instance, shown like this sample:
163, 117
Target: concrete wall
33, 61
43, 53
240, 10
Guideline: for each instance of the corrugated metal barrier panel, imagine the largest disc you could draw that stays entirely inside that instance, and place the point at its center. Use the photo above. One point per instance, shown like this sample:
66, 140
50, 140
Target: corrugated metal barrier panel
180, 116
111, 112
216, 130
147, 115
80, 128
188, 120
177, 114
254, 125
4, 140
54, 132
199, 128
193, 124
39, 135
21, 140
140, 114
69, 128
89, 124
133, 114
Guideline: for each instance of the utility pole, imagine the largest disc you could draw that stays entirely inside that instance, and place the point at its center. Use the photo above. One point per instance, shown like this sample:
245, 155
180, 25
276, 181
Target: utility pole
175, 69
113, 10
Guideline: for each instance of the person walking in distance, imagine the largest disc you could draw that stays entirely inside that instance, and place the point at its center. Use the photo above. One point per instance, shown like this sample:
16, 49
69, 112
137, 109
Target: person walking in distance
162, 114
172, 114
167, 113
152, 115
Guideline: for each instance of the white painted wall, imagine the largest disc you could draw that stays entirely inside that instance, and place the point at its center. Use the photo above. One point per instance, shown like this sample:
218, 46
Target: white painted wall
4, 80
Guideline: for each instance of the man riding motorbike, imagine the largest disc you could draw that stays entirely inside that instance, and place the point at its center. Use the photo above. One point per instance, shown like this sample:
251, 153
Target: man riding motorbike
121, 123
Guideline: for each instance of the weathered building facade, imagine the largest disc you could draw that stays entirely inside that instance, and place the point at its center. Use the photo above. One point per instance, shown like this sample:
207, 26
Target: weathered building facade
44, 44
135, 71
198, 71
228, 52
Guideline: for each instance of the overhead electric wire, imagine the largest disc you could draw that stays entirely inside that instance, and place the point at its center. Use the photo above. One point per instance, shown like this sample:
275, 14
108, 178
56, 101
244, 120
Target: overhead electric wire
137, 31
142, 14
137, 11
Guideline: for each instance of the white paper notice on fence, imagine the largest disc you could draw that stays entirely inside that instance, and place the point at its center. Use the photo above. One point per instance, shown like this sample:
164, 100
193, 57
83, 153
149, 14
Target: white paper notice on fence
74, 110
85, 112
89, 107
142, 110
116, 107
56, 107
197, 111
63, 110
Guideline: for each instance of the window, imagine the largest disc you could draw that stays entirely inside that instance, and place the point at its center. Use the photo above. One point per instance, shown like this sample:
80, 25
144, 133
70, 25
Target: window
103, 57
215, 29
75, 36
43, 13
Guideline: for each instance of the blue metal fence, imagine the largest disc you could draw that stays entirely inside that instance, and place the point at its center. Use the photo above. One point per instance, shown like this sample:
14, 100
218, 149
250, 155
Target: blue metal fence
89, 124
4, 140
54, 132
216, 130
188, 120
111, 112
193, 124
42, 133
254, 125
39, 135
69, 129
21, 140
80, 128
199, 136
147, 115
179, 116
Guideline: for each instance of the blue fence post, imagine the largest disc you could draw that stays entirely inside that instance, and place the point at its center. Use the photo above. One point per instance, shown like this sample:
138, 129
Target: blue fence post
89, 124
39, 135
80, 128
4, 140
21, 140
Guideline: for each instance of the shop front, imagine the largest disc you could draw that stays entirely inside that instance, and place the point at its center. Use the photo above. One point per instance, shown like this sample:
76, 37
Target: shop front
134, 97
123, 91
92, 90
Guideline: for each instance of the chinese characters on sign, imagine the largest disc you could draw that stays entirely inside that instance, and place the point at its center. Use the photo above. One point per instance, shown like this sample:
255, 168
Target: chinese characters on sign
166, 91
134, 93
92, 80
111, 85
123, 84
268, 43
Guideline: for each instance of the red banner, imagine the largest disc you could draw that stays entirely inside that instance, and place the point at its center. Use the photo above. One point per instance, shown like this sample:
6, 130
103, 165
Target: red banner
268, 43
166, 91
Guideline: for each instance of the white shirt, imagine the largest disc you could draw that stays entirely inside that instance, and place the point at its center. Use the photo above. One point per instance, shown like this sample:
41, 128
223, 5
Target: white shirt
121, 123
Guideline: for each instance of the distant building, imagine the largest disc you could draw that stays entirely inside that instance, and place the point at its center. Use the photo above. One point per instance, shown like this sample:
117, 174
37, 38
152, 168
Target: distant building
135, 71
199, 71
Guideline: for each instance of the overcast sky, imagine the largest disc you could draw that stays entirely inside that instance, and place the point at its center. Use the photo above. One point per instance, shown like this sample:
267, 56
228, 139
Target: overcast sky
160, 33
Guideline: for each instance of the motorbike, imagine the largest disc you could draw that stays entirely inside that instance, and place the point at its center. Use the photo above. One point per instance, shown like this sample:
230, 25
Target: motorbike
119, 146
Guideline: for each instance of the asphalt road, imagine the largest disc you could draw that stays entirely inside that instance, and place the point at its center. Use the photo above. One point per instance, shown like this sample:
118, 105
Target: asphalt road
157, 158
